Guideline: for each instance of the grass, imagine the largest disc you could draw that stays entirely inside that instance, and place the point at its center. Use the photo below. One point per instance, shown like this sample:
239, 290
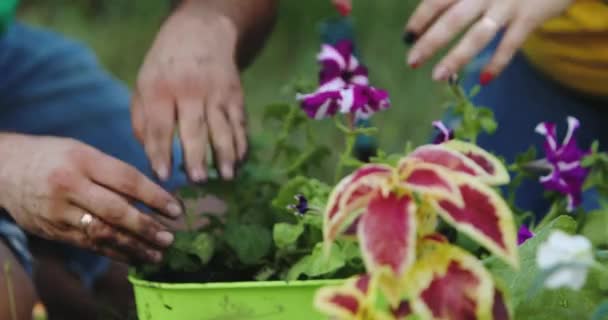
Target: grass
121, 31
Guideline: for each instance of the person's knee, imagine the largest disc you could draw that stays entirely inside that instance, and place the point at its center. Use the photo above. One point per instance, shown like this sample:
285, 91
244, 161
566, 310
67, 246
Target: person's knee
17, 292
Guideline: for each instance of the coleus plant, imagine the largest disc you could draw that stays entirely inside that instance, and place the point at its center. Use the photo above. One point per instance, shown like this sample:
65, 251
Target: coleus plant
393, 212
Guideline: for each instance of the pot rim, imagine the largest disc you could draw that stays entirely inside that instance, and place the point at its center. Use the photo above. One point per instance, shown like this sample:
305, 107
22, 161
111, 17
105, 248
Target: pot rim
233, 285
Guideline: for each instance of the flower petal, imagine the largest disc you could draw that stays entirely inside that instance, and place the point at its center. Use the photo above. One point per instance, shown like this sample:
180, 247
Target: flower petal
429, 179
447, 158
333, 54
496, 173
349, 198
485, 217
387, 236
449, 283
321, 104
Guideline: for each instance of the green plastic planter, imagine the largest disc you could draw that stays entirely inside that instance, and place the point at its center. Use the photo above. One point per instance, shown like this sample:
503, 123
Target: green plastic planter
273, 300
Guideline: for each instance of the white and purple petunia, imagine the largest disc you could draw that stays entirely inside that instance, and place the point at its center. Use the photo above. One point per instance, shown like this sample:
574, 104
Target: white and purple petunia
343, 86
445, 134
567, 175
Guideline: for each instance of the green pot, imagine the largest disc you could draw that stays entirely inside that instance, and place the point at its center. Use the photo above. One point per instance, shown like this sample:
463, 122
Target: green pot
272, 300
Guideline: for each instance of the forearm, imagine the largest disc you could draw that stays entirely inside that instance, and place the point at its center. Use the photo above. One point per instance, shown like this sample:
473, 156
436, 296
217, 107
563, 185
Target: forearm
252, 19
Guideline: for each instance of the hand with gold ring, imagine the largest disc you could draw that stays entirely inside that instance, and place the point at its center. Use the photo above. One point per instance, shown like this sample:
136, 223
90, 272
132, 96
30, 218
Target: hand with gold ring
435, 23
61, 189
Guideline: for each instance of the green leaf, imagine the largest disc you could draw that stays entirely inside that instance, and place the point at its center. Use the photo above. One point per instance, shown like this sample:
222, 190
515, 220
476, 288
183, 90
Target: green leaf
548, 304
317, 264
595, 227
203, 246
286, 234
251, 243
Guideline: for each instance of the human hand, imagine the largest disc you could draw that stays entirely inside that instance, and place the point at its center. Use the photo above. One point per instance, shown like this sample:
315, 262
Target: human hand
49, 184
436, 22
190, 80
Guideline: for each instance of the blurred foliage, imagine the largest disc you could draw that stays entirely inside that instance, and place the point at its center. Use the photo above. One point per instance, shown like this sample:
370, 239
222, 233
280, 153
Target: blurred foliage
121, 32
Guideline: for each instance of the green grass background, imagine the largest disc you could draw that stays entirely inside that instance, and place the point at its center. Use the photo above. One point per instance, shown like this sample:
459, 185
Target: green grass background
121, 31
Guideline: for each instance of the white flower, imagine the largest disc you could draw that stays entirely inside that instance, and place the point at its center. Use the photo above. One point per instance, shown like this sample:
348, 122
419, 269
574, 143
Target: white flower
572, 252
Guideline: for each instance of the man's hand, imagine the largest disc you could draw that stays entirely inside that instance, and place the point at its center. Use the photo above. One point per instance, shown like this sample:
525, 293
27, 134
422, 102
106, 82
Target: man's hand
190, 81
49, 184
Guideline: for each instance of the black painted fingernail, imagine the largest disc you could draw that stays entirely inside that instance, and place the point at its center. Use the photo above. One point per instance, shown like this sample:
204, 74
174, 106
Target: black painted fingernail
409, 38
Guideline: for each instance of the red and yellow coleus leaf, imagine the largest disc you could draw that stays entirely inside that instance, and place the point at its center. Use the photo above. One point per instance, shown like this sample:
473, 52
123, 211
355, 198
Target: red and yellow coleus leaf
428, 179
485, 217
496, 173
450, 284
354, 300
349, 198
463, 158
387, 237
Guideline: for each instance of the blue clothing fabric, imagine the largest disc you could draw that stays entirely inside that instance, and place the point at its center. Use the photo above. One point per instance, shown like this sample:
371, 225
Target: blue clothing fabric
522, 97
50, 85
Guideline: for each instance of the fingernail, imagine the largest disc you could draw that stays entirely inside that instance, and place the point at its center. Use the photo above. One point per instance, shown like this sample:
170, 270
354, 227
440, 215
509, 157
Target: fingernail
162, 172
441, 73
485, 78
227, 172
343, 9
174, 209
164, 238
198, 175
409, 38
154, 255
413, 60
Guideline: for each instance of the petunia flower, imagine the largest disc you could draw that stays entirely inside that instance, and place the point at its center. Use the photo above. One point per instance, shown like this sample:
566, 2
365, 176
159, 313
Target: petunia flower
567, 175
301, 207
571, 255
445, 134
343, 86
524, 234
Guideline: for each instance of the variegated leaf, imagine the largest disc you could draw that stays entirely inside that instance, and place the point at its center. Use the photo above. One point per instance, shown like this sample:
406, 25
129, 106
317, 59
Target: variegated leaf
429, 180
451, 284
387, 236
354, 300
349, 198
485, 217
496, 173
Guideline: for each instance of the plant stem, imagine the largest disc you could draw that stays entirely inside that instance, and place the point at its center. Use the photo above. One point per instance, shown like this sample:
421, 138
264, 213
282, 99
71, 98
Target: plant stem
9, 287
553, 213
349, 142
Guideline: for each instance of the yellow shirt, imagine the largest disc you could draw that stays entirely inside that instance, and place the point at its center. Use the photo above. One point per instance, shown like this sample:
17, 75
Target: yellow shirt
573, 48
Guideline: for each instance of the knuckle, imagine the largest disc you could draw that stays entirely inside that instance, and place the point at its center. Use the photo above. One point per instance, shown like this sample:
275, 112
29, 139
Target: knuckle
62, 179
101, 232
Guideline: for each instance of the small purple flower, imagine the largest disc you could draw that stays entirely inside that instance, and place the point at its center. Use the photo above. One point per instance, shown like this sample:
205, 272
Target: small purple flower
524, 234
344, 86
301, 207
567, 175
445, 134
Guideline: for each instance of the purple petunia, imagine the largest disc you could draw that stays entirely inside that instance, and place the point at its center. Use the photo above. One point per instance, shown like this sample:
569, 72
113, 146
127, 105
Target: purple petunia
445, 134
567, 175
524, 234
344, 86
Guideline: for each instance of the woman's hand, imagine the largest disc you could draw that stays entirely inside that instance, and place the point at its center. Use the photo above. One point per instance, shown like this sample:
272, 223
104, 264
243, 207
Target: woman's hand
436, 22
62, 189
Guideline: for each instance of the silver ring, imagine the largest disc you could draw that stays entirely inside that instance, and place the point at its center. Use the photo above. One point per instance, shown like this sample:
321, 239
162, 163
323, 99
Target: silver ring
490, 23
86, 220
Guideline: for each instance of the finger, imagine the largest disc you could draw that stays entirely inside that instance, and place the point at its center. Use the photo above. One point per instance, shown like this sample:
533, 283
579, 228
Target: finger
236, 117
425, 13
125, 179
78, 238
477, 38
104, 236
513, 39
221, 139
444, 29
193, 135
137, 117
117, 212
158, 136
